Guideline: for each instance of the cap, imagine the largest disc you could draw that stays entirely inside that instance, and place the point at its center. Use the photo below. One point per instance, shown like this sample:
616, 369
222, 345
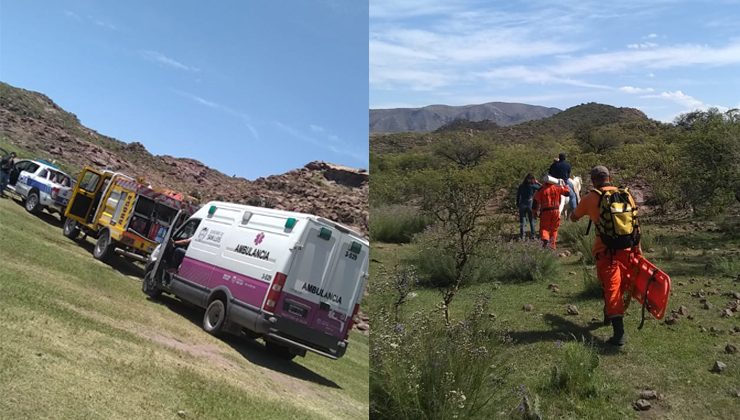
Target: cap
599, 172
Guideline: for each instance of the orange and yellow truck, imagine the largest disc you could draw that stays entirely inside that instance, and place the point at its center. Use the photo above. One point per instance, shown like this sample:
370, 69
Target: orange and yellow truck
126, 215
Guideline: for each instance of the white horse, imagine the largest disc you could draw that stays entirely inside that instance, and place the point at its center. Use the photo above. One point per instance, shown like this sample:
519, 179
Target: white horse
565, 200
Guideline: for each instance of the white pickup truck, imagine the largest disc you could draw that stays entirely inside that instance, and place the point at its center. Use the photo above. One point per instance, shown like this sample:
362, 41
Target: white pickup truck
41, 185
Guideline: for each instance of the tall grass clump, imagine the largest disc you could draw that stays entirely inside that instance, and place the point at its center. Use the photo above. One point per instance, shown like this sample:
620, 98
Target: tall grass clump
575, 371
396, 223
573, 235
725, 266
523, 261
424, 369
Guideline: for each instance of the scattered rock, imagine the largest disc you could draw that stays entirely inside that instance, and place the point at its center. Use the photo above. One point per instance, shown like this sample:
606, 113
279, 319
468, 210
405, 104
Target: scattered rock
680, 283
528, 308
730, 349
492, 316
690, 317
736, 295
737, 328
572, 310
727, 313
683, 310
648, 394
553, 286
718, 367
642, 405
363, 326
181, 413
707, 305
671, 319
702, 329
573, 273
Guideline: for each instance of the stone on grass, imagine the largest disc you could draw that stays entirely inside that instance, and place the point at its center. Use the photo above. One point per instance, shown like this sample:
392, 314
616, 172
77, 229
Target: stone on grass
572, 309
648, 394
642, 405
528, 307
707, 305
730, 349
727, 313
181, 413
737, 328
736, 295
680, 283
718, 367
671, 319
690, 317
683, 310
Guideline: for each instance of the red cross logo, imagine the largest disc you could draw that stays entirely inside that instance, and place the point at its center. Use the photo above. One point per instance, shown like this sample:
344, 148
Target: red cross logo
259, 238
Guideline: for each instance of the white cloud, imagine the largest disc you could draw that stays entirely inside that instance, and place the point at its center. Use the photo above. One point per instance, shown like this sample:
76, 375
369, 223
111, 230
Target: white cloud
651, 36
642, 45
73, 15
302, 136
680, 98
637, 90
167, 61
245, 119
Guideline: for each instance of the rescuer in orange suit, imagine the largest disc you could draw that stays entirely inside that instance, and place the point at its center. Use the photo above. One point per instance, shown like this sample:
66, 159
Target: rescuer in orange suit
547, 201
612, 266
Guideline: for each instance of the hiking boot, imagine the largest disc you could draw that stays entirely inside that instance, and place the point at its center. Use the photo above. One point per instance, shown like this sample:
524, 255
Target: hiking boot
618, 339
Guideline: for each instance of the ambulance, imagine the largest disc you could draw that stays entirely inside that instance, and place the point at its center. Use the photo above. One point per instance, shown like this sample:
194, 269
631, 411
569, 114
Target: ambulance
126, 216
294, 279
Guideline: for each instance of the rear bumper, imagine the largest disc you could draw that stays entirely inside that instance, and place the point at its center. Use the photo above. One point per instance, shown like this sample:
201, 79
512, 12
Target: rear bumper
295, 334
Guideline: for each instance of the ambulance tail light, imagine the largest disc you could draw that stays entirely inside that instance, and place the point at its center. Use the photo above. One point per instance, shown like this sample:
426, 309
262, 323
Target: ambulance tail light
273, 294
352, 319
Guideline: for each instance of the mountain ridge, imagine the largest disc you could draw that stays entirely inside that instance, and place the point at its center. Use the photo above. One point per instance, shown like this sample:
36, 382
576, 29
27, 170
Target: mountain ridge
432, 117
34, 123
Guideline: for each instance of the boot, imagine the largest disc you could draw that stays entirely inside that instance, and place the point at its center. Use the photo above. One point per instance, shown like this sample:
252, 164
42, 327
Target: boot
619, 338
607, 321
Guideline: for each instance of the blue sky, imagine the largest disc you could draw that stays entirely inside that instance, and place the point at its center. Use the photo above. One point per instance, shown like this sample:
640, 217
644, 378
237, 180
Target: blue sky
251, 88
663, 57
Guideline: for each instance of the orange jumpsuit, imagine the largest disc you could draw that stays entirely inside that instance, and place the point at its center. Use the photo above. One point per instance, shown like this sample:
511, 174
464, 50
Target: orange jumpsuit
547, 200
612, 267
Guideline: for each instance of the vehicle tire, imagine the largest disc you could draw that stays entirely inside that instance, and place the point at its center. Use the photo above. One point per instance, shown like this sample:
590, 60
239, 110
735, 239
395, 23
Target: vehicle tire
33, 204
103, 246
150, 287
280, 350
215, 317
70, 229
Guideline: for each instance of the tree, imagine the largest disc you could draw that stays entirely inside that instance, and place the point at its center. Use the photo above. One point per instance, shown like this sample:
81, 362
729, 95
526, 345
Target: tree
456, 198
465, 152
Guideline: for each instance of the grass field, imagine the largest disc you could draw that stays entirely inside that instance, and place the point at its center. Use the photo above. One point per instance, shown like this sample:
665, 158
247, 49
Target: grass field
78, 339
673, 360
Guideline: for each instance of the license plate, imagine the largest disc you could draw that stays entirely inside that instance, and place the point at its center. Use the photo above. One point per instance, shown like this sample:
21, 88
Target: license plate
294, 309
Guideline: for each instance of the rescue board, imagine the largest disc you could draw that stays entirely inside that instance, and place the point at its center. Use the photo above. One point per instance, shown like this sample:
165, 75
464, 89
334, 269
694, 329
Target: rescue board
651, 283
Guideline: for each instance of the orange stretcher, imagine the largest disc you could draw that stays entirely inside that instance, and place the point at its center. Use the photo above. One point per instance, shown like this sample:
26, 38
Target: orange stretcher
650, 286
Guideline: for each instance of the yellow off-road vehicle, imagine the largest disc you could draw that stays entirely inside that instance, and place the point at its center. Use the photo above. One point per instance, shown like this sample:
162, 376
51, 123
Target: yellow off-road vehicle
126, 215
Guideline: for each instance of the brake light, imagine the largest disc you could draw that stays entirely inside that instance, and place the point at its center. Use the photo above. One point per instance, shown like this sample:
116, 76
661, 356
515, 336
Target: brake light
273, 294
352, 320
54, 192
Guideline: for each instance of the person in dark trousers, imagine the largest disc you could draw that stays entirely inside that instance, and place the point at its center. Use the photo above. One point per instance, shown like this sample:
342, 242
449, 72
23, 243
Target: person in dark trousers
6, 165
524, 199
561, 169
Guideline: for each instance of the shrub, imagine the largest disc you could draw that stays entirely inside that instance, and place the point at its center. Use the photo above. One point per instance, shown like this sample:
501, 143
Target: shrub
396, 223
725, 266
524, 261
575, 371
424, 369
668, 252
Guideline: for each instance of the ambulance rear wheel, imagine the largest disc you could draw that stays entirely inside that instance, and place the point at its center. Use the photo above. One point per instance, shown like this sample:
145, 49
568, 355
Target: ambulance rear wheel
279, 350
103, 246
215, 317
70, 229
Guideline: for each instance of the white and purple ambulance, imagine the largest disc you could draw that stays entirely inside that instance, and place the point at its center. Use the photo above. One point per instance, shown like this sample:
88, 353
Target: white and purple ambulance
294, 279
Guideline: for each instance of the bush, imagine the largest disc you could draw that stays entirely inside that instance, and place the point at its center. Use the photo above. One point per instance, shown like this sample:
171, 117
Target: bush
573, 235
524, 261
725, 266
509, 262
591, 285
424, 369
668, 252
396, 224
575, 372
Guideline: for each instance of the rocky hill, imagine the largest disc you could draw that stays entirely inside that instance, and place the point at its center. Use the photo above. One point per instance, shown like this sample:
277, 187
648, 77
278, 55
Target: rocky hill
564, 124
430, 118
33, 123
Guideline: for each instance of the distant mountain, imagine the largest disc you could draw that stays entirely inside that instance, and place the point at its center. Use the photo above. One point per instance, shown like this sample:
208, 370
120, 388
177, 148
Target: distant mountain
34, 123
562, 125
432, 117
